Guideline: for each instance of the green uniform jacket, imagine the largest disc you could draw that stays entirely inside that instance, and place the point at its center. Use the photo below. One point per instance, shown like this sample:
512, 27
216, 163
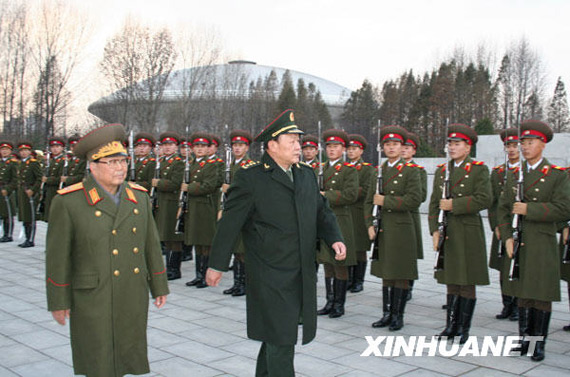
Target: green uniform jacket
497, 182
203, 198
547, 194
52, 183
221, 165
29, 177
361, 240
168, 189
397, 254
341, 190
75, 170
465, 260
234, 168
416, 212
280, 221
144, 171
101, 262
8, 182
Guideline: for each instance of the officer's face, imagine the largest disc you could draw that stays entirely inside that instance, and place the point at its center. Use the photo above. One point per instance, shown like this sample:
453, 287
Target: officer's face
201, 150
392, 149
212, 149
458, 150
309, 153
142, 149
110, 172
285, 150
354, 153
408, 152
24, 153
55, 149
5, 152
239, 150
168, 149
334, 151
512, 151
532, 149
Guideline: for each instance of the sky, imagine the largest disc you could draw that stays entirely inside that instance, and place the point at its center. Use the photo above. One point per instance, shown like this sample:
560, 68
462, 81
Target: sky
351, 40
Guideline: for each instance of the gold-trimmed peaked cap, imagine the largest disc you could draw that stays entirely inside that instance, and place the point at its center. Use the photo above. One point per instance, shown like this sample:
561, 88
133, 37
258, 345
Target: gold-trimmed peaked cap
283, 124
461, 132
393, 133
537, 130
102, 142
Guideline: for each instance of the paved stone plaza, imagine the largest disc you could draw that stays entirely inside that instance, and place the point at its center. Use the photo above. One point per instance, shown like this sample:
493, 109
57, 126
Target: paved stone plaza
201, 332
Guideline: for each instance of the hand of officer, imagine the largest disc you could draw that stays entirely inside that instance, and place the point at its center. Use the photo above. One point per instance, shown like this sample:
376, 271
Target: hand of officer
339, 250
225, 188
63, 179
160, 301
565, 233
220, 214
509, 245
520, 208
154, 182
30, 193
213, 277
435, 239
4, 192
184, 187
378, 199
498, 233
446, 204
371, 233
60, 315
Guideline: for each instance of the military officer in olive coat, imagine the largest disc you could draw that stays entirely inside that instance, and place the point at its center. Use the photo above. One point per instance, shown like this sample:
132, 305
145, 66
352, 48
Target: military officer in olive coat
465, 263
565, 255
8, 185
546, 202
76, 166
145, 163
394, 255
29, 181
52, 180
276, 205
341, 190
102, 258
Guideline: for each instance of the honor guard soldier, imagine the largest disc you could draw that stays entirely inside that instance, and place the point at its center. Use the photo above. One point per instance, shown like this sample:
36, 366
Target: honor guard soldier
546, 202
168, 189
29, 181
145, 164
498, 259
357, 145
565, 253
396, 261
240, 141
341, 190
53, 178
8, 185
200, 219
310, 149
186, 150
409, 150
102, 258
75, 166
275, 205
465, 264
215, 143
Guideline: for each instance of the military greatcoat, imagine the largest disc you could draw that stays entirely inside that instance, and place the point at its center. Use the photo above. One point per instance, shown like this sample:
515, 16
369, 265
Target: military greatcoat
53, 181
564, 267
361, 240
144, 171
171, 175
465, 260
234, 168
280, 221
416, 212
75, 170
397, 254
29, 178
496, 262
547, 194
8, 182
101, 262
341, 190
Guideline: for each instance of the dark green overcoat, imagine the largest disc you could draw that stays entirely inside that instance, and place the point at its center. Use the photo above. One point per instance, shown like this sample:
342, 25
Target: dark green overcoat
547, 194
144, 171
52, 183
397, 254
101, 262
361, 240
280, 221
498, 176
75, 170
234, 168
341, 190
168, 189
465, 248
8, 182
29, 177
416, 212
564, 268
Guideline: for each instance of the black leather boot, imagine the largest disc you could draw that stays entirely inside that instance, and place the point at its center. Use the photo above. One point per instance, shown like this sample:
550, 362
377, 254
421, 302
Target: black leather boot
386, 304
541, 320
515, 312
198, 269
507, 307
467, 308
231, 290
29, 242
359, 272
525, 329
330, 297
397, 309
186, 253
175, 260
350, 281
7, 230
240, 287
452, 319
203, 267
567, 328
339, 298
411, 282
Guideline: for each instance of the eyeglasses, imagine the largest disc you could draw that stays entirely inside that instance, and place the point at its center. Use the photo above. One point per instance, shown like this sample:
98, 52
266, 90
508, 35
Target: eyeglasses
115, 164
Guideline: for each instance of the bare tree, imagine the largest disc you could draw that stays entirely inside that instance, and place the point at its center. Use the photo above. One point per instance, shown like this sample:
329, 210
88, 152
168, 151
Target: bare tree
558, 114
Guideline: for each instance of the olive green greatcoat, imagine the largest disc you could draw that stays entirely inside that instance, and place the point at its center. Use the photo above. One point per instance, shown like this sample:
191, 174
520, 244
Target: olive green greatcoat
361, 240
397, 254
240, 247
168, 190
547, 194
29, 177
75, 170
341, 190
52, 182
416, 212
280, 221
220, 165
8, 182
564, 267
101, 262
203, 189
144, 171
501, 264
465, 261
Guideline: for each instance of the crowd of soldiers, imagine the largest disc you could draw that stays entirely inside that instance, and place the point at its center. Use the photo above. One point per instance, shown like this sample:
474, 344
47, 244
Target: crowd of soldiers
377, 209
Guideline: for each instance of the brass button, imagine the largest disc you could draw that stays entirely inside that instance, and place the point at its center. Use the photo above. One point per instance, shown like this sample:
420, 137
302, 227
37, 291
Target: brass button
336, 173
116, 273
391, 192
541, 179
98, 213
462, 185
536, 189
136, 211
400, 175
136, 270
136, 250
467, 176
333, 181
460, 194
395, 182
135, 230
535, 199
198, 171
389, 210
114, 232
115, 252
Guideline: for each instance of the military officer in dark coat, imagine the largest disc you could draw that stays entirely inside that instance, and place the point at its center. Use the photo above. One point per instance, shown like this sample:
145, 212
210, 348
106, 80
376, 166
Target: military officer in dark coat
102, 258
53, 178
145, 163
546, 202
76, 166
465, 263
29, 181
276, 205
8, 185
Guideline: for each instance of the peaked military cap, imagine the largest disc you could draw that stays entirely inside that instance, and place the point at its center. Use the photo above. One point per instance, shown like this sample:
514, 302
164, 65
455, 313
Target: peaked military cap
461, 132
357, 140
102, 142
73, 139
310, 141
56, 140
283, 124
6, 144
169, 137
510, 135
144, 138
413, 140
25, 144
200, 138
240, 136
536, 129
185, 143
335, 136
393, 133
214, 139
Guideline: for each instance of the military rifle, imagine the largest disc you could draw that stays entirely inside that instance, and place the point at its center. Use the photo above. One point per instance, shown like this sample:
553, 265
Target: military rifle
42, 201
65, 169
227, 175
132, 169
10, 219
153, 193
501, 250
183, 197
514, 273
442, 217
377, 210
321, 176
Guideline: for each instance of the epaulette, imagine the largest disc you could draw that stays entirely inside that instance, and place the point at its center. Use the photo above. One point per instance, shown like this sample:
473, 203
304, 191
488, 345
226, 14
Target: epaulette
414, 165
558, 167
177, 158
211, 161
72, 188
441, 165
348, 164
251, 164
135, 186
33, 160
498, 167
366, 164
305, 164
219, 160
477, 162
